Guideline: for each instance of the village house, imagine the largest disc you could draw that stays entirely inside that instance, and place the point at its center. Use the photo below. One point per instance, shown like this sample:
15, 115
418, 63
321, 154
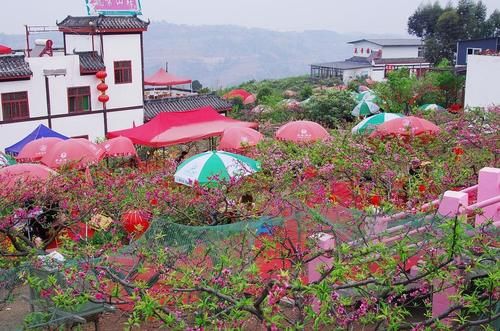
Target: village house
375, 58
58, 87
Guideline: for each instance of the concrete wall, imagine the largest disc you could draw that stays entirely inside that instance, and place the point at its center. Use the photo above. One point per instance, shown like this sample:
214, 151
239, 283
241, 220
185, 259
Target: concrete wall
482, 87
399, 52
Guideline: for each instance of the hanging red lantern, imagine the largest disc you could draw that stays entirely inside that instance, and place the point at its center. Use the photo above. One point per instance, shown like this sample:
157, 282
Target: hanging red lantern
135, 222
103, 87
103, 98
101, 74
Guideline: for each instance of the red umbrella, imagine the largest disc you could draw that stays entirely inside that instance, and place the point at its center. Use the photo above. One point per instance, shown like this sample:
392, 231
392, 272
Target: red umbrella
24, 172
245, 96
406, 126
302, 131
5, 50
119, 146
78, 152
36, 149
238, 137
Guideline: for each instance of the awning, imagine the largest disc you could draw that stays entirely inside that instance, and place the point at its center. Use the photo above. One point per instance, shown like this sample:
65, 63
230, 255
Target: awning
174, 128
163, 78
40, 132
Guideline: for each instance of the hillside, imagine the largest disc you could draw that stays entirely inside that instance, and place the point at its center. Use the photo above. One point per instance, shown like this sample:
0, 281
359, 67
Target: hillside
224, 55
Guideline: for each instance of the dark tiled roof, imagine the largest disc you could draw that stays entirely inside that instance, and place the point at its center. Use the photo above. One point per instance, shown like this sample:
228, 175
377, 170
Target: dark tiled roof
391, 42
154, 107
14, 67
401, 60
102, 23
90, 62
344, 65
359, 59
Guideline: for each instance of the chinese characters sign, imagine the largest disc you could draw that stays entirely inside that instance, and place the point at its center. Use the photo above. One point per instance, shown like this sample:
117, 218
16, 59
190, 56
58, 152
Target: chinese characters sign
114, 7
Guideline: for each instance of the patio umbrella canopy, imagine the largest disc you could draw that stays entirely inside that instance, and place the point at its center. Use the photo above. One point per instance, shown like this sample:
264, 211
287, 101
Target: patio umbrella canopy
406, 126
6, 160
245, 96
119, 146
12, 174
36, 149
431, 106
370, 123
368, 95
163, 78
77, 152
40, 132
365, 108
302, 132
211, 167
237, 137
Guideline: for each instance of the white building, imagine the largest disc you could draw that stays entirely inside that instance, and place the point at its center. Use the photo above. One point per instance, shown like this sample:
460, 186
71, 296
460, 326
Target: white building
482, 87
59, 88
374, 58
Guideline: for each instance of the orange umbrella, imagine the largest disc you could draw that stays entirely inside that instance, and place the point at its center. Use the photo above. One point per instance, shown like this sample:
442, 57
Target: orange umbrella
302, 132
77, 152
24, 172
406, 126
36, 149
119, 146
238, 137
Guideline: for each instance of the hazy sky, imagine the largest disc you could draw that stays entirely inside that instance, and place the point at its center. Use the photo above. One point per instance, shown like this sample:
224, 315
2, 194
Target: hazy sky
369, 16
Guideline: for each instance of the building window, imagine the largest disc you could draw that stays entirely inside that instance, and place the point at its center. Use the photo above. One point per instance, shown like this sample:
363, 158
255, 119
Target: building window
78, 99
367, 51
123, 72
15, 106
355, 50
420, 51
473, 51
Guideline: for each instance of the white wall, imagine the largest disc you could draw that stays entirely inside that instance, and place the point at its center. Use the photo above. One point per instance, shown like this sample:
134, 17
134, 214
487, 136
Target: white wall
353, 73
364, 44
116, 48
82, 43
482, 86
394, 52
123, 48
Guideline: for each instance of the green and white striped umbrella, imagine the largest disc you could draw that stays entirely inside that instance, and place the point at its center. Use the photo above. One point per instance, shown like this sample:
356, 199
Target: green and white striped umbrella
365, 108
6, 160
366, 96
431, 106
211, 167
370, 123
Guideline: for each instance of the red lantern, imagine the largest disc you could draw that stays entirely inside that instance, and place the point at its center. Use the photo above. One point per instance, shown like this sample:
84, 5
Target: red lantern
103, 98
101, 75
103, 87
135, 222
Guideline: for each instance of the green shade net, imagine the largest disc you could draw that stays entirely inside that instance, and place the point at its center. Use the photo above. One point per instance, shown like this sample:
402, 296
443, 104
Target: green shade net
162, 232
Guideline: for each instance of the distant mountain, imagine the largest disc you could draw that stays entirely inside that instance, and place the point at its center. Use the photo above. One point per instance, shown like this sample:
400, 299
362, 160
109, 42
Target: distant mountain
223, 55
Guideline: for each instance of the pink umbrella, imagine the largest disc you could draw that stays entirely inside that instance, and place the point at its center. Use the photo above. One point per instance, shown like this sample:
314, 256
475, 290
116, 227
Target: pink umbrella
244, 95
78, 152
238, 137
36, 149
24, 172
406, 126
302, 131
119, 146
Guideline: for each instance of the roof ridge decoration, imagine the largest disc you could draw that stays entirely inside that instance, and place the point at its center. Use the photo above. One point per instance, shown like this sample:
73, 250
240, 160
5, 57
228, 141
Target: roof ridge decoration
102, 24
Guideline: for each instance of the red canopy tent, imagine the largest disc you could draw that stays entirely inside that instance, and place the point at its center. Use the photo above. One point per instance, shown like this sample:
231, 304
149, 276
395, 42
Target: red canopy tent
171, 128
163, 78
5, 50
